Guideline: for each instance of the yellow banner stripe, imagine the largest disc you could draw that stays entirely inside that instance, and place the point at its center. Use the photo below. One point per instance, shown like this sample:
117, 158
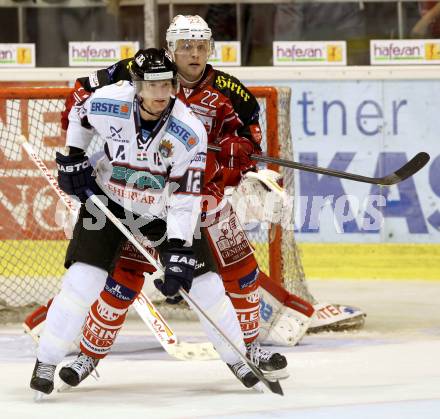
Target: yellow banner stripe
34, 258
371, 261
39, 258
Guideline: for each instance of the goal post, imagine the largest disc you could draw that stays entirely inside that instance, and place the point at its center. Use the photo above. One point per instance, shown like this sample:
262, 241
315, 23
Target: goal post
32, 243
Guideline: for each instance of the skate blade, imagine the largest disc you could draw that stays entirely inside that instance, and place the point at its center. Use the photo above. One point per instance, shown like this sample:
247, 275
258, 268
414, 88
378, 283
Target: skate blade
38, 396
281, 374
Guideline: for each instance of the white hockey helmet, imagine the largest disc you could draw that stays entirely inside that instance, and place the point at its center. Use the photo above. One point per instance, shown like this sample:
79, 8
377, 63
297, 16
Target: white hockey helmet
188, 27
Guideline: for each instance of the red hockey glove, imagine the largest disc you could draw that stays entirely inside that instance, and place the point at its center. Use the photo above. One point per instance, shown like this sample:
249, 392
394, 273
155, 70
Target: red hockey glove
235, 153
77, 95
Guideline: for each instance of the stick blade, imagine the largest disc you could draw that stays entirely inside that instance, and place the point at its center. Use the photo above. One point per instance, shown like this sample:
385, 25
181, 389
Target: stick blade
275, 387
192, 351
413, 166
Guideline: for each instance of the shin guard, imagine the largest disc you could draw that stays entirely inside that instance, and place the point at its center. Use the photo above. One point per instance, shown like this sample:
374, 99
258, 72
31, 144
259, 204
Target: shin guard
107, 314
245, 298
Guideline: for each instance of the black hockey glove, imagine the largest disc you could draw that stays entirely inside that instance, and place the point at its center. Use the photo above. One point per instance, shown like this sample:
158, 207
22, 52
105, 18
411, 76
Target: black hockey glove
179, 271
75, 175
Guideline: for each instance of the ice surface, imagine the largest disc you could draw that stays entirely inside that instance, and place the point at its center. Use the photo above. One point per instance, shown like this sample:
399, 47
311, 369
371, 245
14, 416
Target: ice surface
390, 369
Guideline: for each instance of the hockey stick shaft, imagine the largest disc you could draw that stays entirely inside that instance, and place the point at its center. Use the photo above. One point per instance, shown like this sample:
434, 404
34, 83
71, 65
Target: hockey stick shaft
72, 205
143, 305
407, 170
273, 386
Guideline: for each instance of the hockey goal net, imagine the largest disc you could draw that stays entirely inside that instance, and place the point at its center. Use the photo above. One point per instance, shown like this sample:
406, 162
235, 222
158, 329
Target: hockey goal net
32, 244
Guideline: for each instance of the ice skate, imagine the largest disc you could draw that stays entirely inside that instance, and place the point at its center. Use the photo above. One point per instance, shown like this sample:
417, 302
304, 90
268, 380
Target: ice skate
273, 364
244, 374
42, 379
77, 371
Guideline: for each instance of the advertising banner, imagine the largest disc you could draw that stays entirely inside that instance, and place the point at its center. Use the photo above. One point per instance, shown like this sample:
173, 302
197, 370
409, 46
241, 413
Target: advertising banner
404, 51
370, 128
100, 54
28, 203
226, 53
17, 55
297, 53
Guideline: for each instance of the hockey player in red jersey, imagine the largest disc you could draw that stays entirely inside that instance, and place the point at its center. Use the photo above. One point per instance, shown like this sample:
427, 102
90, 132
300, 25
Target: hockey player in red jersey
230, 114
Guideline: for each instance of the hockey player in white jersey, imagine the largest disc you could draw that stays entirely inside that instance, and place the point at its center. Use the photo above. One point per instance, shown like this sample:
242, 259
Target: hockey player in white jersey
150, 174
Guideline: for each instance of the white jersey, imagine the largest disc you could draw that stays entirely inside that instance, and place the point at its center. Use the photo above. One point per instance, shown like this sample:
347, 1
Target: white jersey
156, 175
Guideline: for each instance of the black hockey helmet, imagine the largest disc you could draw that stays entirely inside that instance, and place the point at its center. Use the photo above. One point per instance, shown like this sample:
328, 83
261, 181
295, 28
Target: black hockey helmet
153, 64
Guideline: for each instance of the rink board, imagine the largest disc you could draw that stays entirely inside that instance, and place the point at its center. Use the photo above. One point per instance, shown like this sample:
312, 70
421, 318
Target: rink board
323, 260
371, 261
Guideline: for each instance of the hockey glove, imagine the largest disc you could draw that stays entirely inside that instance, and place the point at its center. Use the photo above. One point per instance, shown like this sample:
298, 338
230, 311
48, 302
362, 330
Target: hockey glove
75, 175
179, 271
235, 153
77, 96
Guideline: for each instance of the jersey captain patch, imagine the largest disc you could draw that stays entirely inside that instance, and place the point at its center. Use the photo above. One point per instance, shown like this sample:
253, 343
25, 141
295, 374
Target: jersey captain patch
111, 107
183, 133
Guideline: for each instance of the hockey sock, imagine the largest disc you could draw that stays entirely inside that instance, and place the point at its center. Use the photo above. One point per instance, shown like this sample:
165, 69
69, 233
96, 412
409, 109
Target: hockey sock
107, 314
245, 298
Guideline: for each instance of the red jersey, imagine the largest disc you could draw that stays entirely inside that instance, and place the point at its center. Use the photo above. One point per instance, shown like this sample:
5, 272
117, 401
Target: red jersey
226, 108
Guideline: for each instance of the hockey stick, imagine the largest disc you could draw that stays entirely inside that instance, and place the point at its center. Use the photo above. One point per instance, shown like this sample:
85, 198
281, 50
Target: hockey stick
407, 170
143, 305
273, 386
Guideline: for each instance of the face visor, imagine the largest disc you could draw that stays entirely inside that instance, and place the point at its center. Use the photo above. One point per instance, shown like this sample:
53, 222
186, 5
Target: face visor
156, 86
190, 47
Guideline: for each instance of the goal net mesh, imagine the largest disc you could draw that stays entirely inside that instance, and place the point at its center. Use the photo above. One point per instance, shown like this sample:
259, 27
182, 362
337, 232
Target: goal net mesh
32, 240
